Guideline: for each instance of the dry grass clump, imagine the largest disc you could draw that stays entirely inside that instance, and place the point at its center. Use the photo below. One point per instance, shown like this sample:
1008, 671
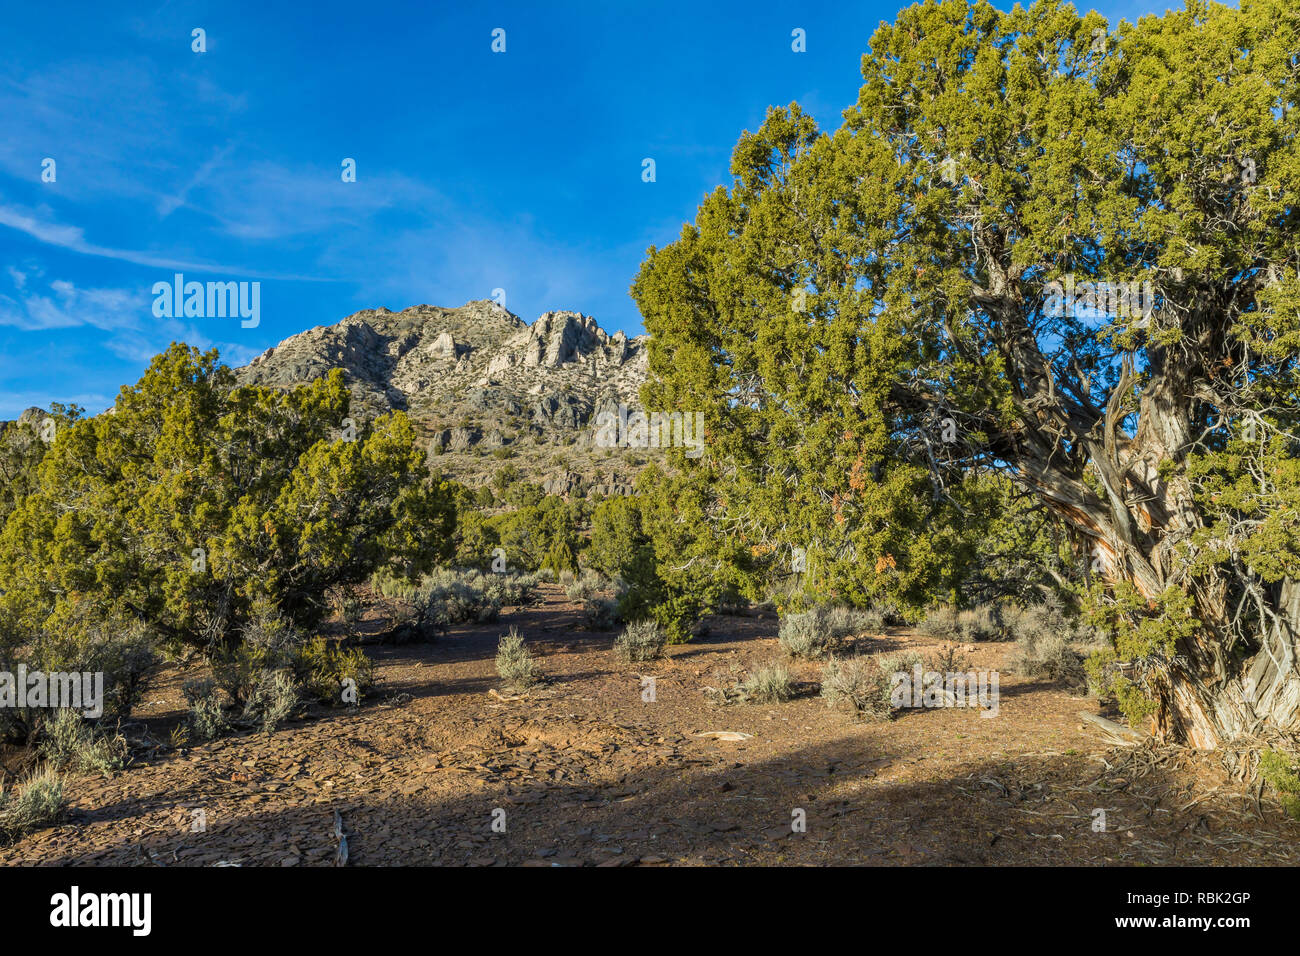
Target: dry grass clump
946, 623
36, 802
768, 683
69, 742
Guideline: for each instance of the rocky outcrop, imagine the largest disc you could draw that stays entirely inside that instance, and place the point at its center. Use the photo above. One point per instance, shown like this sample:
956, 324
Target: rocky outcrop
32, 417
479, 365
565, 484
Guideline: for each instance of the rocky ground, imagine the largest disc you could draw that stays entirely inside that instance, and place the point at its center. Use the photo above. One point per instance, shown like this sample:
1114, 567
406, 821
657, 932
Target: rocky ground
583, 771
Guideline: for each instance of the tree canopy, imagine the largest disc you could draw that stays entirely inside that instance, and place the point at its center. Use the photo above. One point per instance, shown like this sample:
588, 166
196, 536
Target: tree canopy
1041, 246
193, 505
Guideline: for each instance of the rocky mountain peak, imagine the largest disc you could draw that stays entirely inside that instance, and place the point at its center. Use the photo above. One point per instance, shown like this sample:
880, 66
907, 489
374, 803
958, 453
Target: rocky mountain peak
478, 362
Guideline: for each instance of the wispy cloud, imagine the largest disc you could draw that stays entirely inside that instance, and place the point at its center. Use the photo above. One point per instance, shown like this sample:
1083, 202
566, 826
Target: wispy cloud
124, 315
141, 344
169, 204
266, 201
73, 239
65, 306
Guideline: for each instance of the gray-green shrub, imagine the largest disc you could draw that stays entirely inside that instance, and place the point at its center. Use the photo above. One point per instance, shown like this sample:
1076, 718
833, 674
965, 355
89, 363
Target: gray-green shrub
515, 662
768, 683
68, 741
805, 633
36, 802
864, 683
120, 649
641, 641
273, 701
207, 716
599, 613
1051, 646
586, 587
821, 630
858, 682
983, 623
447, 597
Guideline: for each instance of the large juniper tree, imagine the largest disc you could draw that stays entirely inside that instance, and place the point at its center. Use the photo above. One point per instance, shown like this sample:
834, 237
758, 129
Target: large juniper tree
870, 317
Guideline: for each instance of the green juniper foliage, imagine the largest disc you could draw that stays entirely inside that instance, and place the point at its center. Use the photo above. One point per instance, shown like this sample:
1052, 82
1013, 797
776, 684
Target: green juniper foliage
194, 501
1039, 246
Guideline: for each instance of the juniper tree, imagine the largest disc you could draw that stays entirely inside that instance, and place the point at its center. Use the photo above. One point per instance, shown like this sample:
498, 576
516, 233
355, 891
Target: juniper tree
23, 444
870, 316
193, 503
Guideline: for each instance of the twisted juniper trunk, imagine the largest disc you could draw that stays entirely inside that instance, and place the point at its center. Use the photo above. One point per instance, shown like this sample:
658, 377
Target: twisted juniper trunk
1210, 692
1208, 698
1216, 687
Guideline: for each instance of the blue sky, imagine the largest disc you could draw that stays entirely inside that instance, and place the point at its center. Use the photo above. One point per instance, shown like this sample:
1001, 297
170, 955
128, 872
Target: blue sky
475, 170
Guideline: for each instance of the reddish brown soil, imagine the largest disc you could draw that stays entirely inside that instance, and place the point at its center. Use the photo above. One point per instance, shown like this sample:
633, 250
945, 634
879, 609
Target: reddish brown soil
587, 773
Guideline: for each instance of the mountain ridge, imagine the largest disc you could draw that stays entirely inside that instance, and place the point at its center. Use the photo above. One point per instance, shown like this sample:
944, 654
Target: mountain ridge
476, 379
427, 359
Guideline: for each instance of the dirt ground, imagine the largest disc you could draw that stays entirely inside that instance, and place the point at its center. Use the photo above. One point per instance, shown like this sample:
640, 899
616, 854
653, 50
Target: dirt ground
583, 771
